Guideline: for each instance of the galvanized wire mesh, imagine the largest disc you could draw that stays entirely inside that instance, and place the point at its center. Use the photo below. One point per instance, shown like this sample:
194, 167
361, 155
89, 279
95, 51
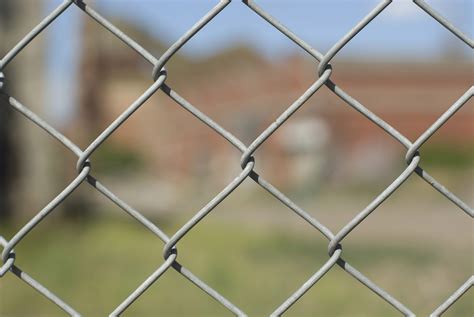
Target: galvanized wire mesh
247, 162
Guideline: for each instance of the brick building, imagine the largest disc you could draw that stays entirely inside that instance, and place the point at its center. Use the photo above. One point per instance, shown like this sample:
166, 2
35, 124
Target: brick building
245, 93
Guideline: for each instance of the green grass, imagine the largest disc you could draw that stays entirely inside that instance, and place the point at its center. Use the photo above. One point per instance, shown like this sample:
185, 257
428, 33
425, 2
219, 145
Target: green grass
94, 266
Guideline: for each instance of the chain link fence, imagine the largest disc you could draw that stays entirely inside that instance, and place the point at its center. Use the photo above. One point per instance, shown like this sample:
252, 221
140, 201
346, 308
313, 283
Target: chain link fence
170, 251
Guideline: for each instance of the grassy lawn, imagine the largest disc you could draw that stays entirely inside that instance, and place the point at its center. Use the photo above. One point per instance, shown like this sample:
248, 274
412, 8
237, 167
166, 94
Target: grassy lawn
94, 265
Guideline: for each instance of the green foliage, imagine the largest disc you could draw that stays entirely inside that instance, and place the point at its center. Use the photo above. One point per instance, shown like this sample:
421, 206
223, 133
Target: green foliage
448, 156
111, 159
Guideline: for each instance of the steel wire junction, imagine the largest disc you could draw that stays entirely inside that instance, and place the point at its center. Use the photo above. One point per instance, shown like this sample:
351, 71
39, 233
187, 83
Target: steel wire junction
247, 162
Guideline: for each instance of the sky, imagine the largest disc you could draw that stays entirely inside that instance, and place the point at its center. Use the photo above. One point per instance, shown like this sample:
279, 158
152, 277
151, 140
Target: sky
403, 28
401, 31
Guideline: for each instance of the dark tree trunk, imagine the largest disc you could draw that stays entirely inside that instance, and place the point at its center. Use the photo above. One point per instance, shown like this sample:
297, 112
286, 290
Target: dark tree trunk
7, 148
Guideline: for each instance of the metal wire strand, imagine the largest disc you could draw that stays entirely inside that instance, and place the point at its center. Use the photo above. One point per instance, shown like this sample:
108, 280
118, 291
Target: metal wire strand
247, 162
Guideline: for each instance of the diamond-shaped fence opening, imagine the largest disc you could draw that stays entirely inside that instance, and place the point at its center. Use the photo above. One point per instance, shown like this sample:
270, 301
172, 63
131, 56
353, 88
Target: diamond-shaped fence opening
249, 168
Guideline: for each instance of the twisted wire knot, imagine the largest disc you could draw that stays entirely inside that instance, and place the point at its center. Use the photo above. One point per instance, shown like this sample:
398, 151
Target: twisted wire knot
158, 70
246, 158
82, 163
2, 80
411, 153
334, 245
170, 251
8, 258
323, 66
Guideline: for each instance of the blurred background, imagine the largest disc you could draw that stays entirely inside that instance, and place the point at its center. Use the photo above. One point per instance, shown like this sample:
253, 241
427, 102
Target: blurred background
243, 73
